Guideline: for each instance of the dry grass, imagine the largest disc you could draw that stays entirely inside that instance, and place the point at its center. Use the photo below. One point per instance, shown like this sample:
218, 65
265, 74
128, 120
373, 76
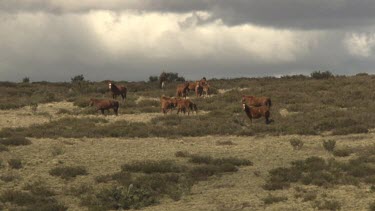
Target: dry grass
200, 162
107, 155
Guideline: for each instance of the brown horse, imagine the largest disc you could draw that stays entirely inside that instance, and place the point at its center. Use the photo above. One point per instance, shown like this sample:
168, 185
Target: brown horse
201, 86
167, 104
103, 104
256, 101
182, 89
192, 86
257, 112
117, 90
184, 105
162, 80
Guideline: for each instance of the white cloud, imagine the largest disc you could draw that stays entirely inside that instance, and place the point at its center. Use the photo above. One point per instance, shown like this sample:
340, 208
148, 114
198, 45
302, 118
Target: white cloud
361, 45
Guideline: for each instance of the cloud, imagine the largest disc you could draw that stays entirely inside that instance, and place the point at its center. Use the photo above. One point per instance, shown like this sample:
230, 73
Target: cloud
317, 14
360, 45
131, 40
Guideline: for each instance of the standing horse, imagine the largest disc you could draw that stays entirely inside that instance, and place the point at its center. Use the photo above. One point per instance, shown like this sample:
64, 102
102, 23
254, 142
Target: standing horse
162, 80
102, 104
257, 112
184, 105
256, 101
117, 90
182, 89
167, 104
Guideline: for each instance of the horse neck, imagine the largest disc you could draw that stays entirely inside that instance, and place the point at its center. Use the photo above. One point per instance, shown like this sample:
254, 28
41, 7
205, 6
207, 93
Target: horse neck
248, 110
114, 87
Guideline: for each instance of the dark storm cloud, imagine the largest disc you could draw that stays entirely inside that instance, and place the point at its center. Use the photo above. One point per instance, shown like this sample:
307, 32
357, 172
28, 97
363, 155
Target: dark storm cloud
303, 14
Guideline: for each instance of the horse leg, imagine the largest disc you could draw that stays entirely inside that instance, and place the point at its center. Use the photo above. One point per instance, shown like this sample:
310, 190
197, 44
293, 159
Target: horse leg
102, 110
116, 111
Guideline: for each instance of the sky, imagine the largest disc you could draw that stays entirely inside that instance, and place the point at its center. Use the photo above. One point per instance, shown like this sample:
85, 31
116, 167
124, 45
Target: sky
55, 40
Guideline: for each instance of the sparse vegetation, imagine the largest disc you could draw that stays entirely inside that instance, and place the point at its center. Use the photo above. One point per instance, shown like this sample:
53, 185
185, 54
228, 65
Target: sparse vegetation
68, 172
270, 199
302, 105
15, 141
15, 163
31, 201
296, 143
329, 145
328, 204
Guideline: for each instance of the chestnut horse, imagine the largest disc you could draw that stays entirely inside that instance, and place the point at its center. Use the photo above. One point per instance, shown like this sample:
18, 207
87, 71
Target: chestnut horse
257, 112
184, 105
167, 104
256, 101
117, 90
103, 104
182, 89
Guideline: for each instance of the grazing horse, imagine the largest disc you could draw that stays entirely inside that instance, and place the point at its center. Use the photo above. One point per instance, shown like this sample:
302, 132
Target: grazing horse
256, 101
117, 90
184, 105
182, 90
257, 112
167, 104
103, 104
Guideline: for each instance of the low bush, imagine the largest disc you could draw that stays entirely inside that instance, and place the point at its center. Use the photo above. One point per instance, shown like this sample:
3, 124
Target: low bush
15, 163
68, 172
148, 167
270, 199
327, 204
3, 148
15, 141
329, 145
28, 201
344, 152
296, 143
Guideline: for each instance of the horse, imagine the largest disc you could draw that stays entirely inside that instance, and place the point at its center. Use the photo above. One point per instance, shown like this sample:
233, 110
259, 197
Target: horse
257, 112
117, 90
256, 101
181, 90
162, 80
201, 86
167, 104
184, 105
103, 104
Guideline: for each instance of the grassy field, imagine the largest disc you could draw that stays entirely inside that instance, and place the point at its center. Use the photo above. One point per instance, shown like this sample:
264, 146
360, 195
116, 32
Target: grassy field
56, 153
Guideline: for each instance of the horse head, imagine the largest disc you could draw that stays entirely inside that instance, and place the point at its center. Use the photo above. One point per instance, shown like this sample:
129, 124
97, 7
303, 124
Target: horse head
244, 107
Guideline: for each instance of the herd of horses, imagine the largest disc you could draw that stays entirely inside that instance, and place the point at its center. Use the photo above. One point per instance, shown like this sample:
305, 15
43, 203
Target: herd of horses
254, 107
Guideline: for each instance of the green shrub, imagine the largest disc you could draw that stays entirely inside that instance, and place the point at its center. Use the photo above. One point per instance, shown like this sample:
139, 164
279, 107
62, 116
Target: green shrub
342, 152
9, 177
372, 206
221, 143
327, 204
29, 201
270, 199
68, 172
3, 148
203, 159
329, 145
296, 143
321, 75
15, 163
15, 141
163, 166
182, 154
